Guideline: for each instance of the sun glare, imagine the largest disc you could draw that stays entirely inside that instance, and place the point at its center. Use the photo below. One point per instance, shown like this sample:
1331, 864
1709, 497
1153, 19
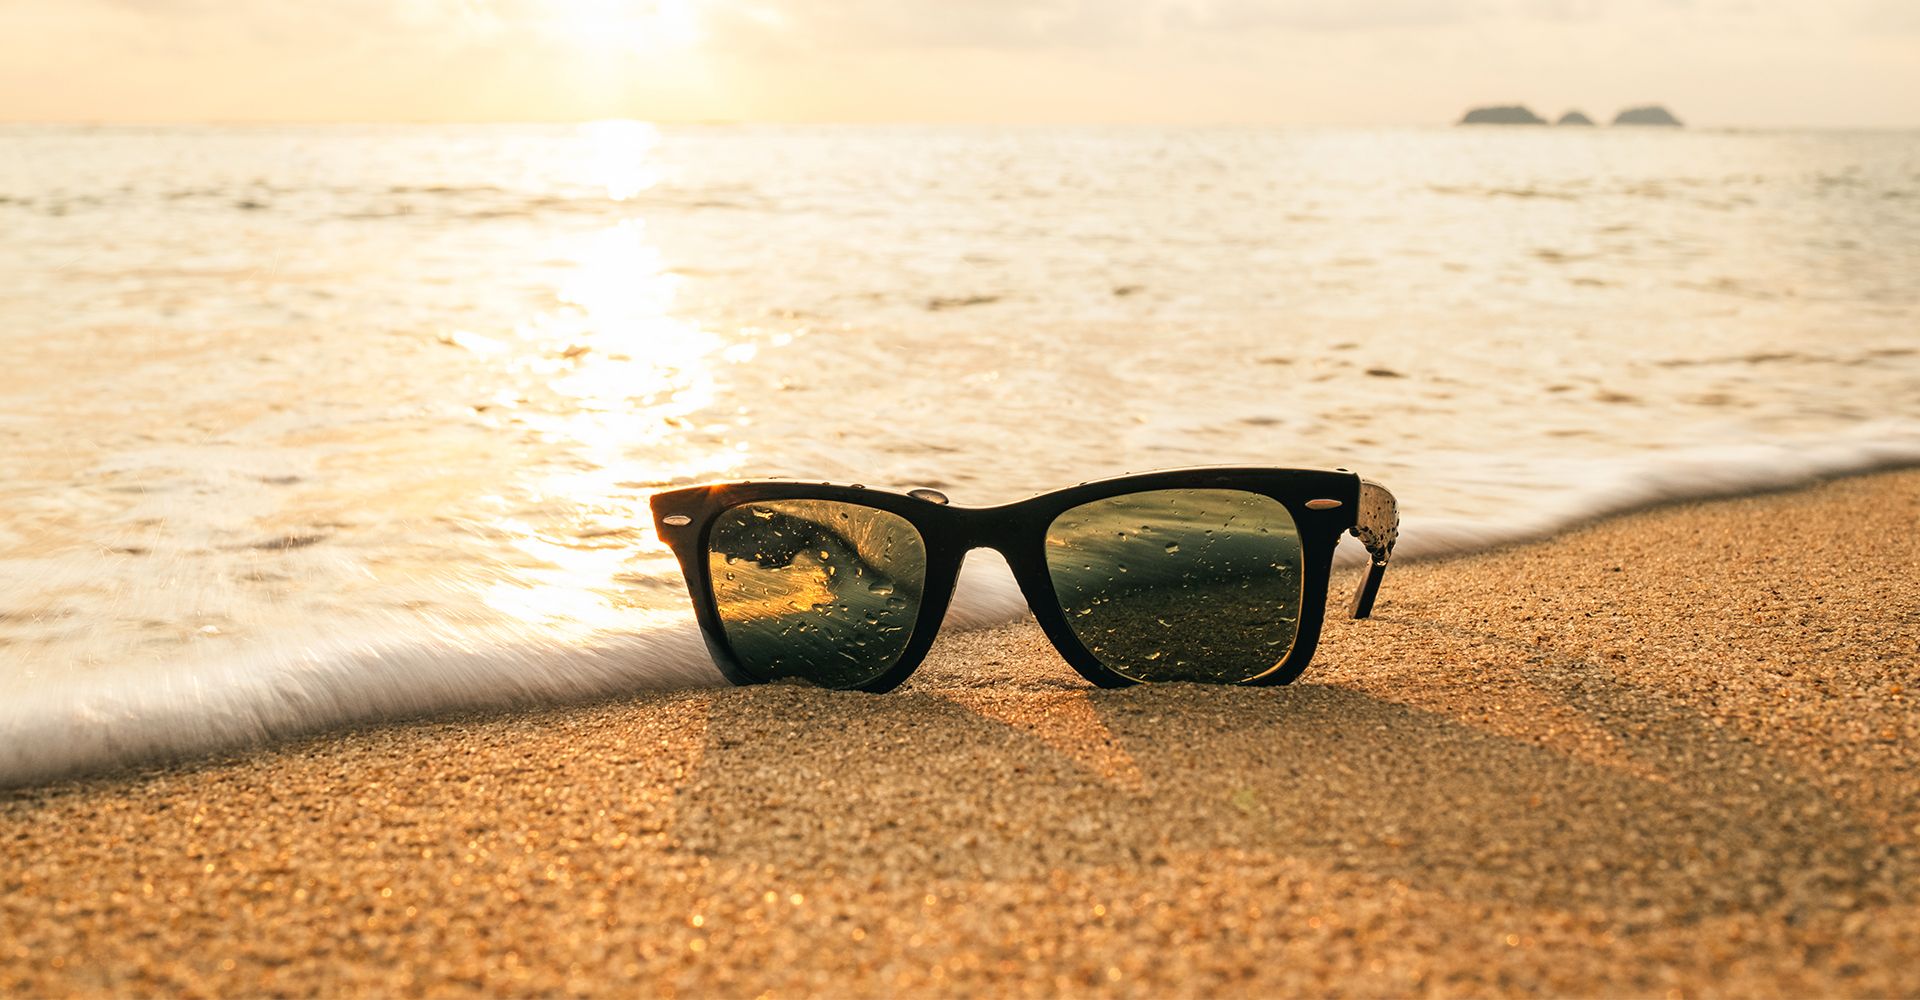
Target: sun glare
622, 156
623, 379
625, 26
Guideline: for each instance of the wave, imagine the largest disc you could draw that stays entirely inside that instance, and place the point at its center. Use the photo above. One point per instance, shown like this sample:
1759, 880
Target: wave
477, 203
56, 727
1591, 490
103, 719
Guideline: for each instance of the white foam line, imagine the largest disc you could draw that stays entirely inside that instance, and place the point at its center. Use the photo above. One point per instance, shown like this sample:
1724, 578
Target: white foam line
114, 718
57, 727
1596, 490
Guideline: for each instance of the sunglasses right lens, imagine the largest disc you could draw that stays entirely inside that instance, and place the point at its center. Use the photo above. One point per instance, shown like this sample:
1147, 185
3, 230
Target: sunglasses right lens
1180, 585
816, 589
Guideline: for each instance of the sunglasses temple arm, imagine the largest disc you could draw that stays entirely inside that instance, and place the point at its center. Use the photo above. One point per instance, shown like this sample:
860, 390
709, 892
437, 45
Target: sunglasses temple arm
1377, 525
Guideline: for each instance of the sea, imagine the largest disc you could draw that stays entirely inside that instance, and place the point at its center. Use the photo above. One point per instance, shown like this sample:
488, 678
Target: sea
307, 427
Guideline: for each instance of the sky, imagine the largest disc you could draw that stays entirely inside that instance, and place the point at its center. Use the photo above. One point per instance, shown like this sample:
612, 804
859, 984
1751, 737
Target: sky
1760, 63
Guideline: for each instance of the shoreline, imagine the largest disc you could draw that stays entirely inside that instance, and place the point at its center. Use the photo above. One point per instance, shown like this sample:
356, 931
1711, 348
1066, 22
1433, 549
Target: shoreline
306, 682
1671, 750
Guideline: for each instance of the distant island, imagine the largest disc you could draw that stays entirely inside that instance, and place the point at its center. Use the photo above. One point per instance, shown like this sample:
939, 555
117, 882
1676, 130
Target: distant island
1652, 114
1520, 114
1505, 114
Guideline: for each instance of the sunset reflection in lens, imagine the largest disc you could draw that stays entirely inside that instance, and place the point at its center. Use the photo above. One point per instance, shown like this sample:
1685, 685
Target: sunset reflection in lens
816, 589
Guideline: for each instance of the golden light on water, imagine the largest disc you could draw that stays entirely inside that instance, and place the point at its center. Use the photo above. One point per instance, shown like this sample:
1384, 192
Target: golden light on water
622, 158
628, 368
609, 373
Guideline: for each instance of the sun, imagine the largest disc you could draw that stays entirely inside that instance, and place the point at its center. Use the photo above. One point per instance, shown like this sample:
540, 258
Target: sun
624, 26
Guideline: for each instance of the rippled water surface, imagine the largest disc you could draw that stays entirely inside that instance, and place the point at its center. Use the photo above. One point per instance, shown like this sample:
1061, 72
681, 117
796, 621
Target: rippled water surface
292, 386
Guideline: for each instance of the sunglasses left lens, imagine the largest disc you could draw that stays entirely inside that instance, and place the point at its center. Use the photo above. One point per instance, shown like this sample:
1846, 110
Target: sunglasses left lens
816, 589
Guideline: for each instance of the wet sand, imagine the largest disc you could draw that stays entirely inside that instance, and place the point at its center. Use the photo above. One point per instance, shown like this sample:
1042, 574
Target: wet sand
1672, 753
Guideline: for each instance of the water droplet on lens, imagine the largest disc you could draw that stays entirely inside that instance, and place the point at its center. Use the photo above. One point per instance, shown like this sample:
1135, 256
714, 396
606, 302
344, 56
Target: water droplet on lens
883, 588
1173, 547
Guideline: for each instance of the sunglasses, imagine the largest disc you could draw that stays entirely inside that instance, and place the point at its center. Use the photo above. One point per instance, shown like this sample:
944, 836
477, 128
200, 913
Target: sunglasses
1210, 575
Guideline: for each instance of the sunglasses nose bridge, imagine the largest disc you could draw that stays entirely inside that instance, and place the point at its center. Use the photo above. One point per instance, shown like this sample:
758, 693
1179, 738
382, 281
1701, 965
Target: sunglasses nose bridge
989, 528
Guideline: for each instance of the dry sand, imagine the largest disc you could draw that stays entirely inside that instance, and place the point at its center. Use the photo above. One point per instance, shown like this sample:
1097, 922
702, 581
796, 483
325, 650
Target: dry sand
1673, 753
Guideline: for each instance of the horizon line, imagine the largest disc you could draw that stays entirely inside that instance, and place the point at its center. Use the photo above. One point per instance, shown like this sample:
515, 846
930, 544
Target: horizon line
895, 123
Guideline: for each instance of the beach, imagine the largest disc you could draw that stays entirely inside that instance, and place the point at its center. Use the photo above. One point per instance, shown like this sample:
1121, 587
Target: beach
354, 640
1672, 753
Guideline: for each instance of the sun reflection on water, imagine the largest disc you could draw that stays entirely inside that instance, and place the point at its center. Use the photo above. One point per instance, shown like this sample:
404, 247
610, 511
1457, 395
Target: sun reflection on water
609, 373
623, 156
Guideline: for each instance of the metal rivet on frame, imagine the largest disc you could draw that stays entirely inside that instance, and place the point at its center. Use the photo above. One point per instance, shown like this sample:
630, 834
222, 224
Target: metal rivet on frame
1322, 504
677, 520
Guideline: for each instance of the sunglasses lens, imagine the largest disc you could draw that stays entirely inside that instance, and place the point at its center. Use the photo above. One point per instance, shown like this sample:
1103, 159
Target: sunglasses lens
1180, 585
816, 589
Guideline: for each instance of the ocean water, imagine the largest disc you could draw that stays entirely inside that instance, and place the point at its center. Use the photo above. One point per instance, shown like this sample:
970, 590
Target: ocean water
309, 426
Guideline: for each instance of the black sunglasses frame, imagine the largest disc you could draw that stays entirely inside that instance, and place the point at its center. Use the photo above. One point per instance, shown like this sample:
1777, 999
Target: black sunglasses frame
1324, 505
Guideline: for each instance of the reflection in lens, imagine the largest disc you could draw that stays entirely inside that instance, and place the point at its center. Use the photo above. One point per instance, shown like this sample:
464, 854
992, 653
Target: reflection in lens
817, 589
1180, 585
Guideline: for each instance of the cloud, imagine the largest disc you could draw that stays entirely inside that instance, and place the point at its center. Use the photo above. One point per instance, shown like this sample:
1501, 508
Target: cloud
1025, 24
1353, 15
1017, 24
1891, 17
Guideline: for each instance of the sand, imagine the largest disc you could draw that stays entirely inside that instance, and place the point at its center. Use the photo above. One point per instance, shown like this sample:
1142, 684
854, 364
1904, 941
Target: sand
1673, 753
